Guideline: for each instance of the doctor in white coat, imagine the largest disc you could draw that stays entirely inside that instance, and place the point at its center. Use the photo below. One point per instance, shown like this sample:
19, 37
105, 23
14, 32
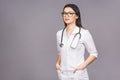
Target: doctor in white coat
71, 43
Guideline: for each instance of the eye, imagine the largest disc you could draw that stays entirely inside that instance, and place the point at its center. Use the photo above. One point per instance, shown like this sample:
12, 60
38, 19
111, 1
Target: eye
68, 14
71, 13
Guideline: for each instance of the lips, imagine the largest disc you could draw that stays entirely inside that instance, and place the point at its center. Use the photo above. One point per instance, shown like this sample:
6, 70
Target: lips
67, 19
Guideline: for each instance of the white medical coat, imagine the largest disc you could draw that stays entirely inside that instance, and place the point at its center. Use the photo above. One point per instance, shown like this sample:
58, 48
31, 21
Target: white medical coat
71, 58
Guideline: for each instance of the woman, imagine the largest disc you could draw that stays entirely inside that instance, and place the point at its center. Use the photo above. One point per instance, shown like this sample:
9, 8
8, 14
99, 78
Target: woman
71, 43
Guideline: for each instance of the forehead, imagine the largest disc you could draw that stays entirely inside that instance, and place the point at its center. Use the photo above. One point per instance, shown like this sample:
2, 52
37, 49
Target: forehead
68, 9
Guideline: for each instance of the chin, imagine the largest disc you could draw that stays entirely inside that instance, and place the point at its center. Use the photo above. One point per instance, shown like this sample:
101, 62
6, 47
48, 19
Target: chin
67, 22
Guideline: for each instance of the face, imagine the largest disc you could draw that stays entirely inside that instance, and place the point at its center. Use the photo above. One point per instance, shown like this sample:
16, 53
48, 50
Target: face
69, 16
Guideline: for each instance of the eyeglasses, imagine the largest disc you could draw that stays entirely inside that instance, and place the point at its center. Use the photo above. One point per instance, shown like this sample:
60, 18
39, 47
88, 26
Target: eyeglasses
70, 14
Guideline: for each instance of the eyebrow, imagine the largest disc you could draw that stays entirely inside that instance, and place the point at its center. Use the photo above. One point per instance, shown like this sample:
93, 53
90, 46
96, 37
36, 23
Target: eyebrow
69, 12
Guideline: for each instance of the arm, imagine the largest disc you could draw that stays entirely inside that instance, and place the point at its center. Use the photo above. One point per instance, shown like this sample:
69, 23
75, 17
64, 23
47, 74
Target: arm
90, 46
87, 62
58, 67
58, 61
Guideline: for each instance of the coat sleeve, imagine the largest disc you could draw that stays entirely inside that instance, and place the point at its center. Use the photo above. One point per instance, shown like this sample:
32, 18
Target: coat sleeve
58, 41
89, 44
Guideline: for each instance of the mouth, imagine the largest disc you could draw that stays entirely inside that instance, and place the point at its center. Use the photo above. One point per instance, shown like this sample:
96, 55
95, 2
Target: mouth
67, 19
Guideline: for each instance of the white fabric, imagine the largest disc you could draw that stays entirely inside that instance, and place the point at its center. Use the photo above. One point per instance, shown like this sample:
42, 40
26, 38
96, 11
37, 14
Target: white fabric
70, 57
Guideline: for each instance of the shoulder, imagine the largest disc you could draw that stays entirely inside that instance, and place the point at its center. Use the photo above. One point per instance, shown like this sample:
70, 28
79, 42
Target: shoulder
59, 32
85, 31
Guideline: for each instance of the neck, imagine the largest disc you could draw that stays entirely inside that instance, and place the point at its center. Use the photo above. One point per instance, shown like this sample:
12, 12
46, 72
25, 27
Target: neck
70, 27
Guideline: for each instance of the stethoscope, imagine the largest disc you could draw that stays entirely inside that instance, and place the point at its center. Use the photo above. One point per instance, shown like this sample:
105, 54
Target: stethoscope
75, 39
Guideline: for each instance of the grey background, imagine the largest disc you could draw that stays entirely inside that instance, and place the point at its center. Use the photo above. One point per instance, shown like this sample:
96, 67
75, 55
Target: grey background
28, 37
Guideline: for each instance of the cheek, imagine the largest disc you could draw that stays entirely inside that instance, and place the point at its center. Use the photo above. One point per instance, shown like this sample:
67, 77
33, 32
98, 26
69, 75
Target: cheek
72, 20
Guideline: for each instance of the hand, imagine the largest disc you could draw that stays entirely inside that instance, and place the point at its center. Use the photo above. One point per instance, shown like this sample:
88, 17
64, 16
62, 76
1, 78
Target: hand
79, 68
58, 67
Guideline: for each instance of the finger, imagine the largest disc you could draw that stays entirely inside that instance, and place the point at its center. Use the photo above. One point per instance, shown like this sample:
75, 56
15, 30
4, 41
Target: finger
60, 69
74, 70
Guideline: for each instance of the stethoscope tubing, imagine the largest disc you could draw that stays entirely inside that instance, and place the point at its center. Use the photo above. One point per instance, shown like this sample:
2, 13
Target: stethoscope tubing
61, 44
